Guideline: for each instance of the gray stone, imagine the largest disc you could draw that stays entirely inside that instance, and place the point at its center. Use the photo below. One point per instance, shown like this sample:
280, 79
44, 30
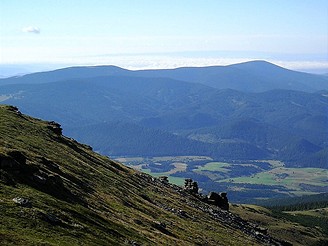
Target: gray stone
22, 202
164, 179
40, 179
55, 127
54, 180
191, 186
52, 218
219, 200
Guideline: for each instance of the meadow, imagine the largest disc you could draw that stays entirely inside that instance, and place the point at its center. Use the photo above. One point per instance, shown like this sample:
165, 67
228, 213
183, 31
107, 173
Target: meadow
260, 179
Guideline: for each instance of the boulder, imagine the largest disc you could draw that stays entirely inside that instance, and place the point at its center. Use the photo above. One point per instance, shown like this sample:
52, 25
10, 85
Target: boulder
50, 164
54, 180
50, 218
55, 127
14, 109
40, 177
182, 213
8, 163
214, 198
13, 160
17, 156
22, 202
224, 202
261, 230
220, 200
164, 179
191, 186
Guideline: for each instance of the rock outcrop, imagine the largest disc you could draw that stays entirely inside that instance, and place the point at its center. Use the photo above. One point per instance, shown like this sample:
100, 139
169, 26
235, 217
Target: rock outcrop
220, 200
55, 127
164, 179
217, 199
12, 160
191, 186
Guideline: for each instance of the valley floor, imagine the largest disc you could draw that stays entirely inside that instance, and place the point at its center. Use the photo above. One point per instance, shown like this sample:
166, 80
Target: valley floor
245, 181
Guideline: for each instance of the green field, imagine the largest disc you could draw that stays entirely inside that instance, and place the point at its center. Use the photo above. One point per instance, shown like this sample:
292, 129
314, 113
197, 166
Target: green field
174, 180
214, 166
291, 177
233, 177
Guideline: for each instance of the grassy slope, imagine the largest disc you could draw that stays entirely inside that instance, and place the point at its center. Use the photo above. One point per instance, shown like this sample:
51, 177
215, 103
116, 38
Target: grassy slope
100, 201
283, 226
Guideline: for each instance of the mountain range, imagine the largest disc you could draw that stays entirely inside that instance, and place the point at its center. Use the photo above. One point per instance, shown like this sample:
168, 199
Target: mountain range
254, 76
253, 110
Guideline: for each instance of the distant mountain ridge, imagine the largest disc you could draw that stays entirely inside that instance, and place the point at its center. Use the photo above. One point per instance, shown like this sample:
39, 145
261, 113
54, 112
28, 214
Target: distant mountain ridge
289, 125
254, 76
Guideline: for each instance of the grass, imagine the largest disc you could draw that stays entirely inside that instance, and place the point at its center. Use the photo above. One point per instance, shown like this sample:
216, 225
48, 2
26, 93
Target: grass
294, 181
299, 230
305, 219
183, 159
214, 166
291, 178
174, 180
100, 202
178, 167
320, 212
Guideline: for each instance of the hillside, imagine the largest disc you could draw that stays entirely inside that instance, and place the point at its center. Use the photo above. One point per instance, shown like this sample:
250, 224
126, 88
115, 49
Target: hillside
65, 194
55, 191
225, 122
292, 225
127, 139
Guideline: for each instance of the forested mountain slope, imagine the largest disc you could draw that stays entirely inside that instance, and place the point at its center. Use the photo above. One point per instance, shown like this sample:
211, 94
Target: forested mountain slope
229, 124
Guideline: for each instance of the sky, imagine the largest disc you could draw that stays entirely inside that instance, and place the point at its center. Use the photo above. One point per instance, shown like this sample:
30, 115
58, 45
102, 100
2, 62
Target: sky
138, 34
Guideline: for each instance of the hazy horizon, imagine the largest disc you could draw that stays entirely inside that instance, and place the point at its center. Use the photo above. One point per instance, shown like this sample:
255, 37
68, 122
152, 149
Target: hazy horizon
43, 35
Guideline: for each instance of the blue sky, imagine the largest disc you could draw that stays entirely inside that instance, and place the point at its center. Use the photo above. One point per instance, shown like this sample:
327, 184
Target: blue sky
164, 33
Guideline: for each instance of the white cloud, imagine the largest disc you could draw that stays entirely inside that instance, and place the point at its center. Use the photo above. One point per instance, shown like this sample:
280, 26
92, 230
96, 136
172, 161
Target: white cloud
71, 56
31, 29
136, 62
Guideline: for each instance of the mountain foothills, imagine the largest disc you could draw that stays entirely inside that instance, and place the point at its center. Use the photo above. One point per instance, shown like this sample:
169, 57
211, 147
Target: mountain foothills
56, 191
237, 116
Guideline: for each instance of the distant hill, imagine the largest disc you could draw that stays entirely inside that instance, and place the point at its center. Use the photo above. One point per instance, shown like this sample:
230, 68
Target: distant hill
289, 147
254, 76
126, 139
64, 74
282, 124
301, 203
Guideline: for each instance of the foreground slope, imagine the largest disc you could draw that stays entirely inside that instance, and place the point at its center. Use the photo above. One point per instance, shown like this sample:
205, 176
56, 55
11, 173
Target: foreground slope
55, 191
